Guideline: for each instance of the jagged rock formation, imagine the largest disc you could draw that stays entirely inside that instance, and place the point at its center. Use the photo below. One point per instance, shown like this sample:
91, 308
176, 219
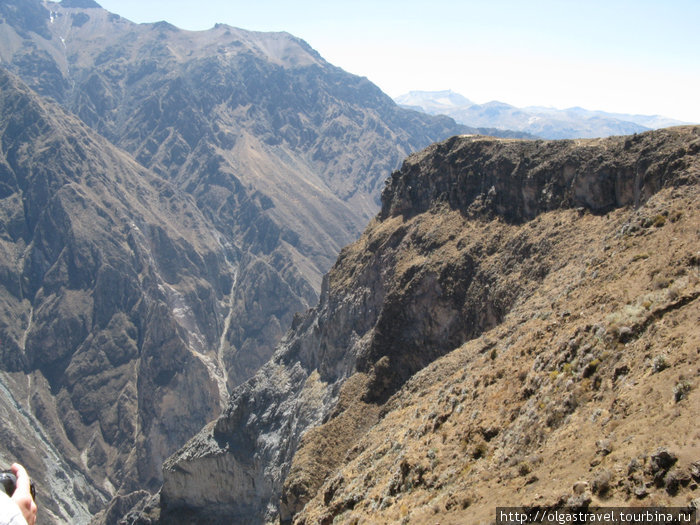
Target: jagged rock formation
134, 294
496, 254
587, 392
111, 288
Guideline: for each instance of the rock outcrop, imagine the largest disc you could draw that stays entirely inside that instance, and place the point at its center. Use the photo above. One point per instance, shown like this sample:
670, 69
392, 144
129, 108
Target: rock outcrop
476, 237
586, 393
154, 253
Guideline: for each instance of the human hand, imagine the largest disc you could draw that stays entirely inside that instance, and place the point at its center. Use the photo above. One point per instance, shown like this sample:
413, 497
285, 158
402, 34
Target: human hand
22, 495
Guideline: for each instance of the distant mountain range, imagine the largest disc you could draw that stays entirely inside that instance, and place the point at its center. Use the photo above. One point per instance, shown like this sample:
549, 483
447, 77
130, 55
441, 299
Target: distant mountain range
549, 123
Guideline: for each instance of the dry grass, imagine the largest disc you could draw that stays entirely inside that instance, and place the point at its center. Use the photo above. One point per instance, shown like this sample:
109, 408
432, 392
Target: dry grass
570, 387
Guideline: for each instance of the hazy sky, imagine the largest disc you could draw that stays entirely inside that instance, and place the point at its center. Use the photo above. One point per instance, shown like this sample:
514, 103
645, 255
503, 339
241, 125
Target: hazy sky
640, 56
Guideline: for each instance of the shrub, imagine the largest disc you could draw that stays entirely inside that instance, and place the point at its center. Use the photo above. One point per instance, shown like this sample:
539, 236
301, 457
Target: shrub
591, 368
660, 282
524, 468
681, 390
660, 363
479, 449
659, 221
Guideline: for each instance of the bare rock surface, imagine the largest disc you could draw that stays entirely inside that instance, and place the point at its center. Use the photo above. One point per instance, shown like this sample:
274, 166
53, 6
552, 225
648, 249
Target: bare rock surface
162, 221
106, 305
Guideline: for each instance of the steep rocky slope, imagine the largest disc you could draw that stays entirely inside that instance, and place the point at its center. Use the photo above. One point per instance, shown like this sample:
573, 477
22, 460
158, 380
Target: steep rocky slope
540, 271
284, 153
168, 279
113, 292
586, 393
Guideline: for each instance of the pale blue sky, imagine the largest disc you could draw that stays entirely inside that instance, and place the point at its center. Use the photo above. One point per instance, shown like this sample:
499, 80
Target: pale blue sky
639, 56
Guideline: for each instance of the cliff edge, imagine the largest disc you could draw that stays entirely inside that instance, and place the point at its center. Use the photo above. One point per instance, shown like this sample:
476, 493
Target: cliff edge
516, 307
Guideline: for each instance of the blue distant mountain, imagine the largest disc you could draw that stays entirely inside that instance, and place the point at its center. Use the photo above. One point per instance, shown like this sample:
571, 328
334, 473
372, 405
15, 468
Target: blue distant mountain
549, 123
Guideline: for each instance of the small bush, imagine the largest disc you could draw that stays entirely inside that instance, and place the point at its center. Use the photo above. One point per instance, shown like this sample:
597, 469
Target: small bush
524, 468
660, 363
658, 221
479, 450
591, 368
660, 282
681, 390
601, 482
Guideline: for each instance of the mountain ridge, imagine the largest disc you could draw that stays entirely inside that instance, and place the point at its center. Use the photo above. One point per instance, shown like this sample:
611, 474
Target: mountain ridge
545, 122
286, 159
573, 396
162, 270
91, 330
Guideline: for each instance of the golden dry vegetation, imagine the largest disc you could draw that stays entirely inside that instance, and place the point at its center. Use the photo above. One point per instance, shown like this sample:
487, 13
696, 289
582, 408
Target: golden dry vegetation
571, 399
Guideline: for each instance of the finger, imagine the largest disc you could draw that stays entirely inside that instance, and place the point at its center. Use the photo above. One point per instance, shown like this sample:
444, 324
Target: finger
22, 481
22, 495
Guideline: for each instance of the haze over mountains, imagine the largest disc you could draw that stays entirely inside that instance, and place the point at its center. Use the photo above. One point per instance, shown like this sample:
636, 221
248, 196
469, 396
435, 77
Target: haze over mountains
543, 122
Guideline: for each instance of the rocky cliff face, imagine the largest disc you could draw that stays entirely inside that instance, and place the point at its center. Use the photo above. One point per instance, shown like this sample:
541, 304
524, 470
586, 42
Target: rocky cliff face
475, 238
586, 392
139, 285
111, 288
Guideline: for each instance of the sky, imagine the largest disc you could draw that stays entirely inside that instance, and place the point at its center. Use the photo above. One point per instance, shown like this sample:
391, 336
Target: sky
640, 56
